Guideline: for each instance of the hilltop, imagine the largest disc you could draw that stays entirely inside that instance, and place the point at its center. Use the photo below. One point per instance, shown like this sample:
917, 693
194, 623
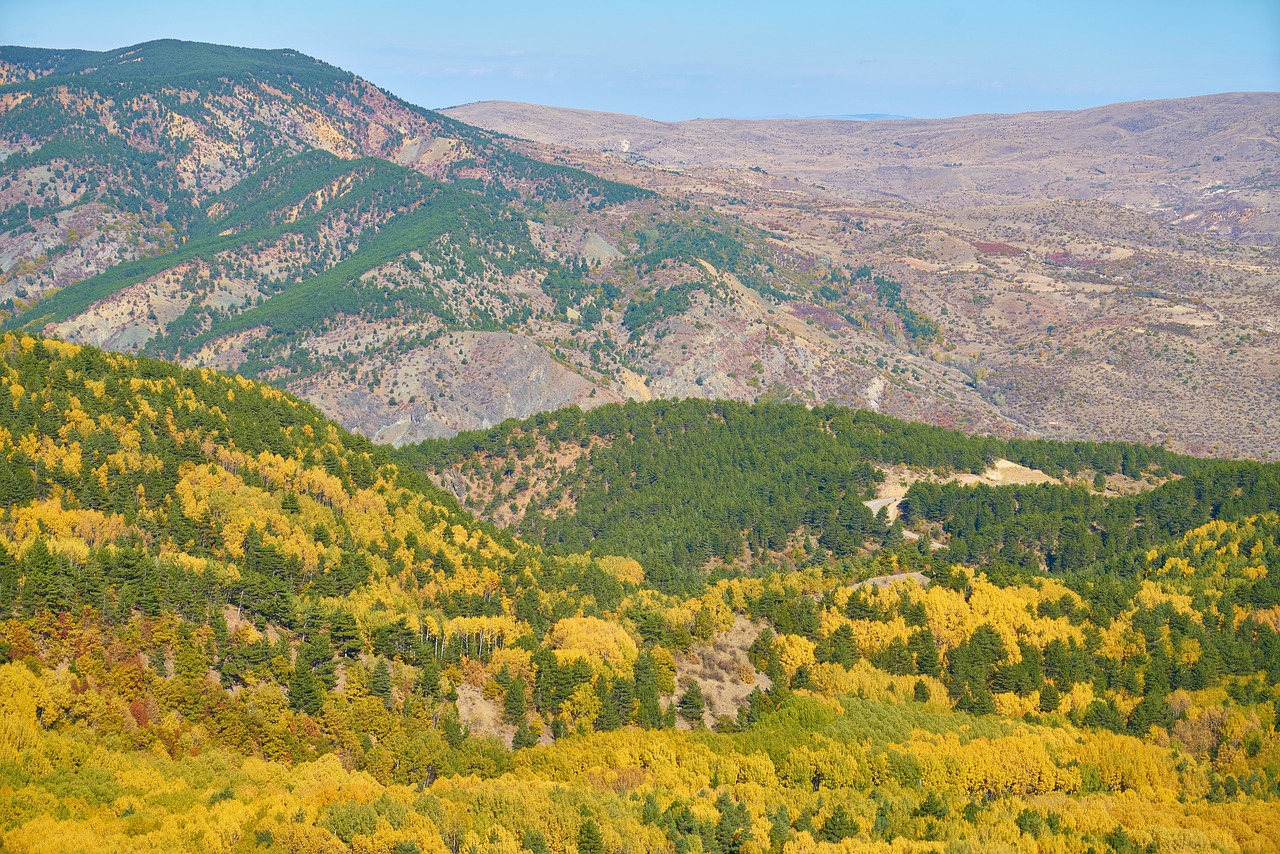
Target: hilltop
692, 486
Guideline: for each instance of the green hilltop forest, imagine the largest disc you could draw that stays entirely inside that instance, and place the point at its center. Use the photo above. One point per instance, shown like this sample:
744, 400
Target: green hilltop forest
678, 484
227, 624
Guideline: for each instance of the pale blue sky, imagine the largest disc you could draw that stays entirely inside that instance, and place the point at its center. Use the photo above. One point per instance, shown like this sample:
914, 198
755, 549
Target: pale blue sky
676, 60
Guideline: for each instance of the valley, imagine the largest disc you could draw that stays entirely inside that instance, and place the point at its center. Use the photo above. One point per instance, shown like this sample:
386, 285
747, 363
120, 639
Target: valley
227, 622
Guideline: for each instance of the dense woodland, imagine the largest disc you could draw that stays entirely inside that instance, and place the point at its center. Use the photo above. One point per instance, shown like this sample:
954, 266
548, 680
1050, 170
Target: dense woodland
229, 625
677, 484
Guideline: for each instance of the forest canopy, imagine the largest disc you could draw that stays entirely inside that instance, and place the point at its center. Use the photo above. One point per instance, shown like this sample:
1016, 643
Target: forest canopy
205, 583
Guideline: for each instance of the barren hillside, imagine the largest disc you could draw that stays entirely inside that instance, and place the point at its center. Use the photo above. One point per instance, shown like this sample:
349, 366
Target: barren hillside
1214, 157
1104, 273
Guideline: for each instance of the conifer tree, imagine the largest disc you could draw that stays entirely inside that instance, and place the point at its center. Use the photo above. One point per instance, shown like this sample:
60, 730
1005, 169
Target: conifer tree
839, 825
589, 839
920, 692
513, 708
304, 692
692, 705
380, 682
1050, 697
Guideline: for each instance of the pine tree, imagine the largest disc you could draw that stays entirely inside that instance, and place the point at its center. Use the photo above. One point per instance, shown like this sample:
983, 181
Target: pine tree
589, 839
535, 842
380, 683
524, 737
649, 711
925, 652
1050, 697
454, 734
650, 812
933, 806
841, 647
920, 693
9, 576
317, 652
733, 830
513, 709
780, 828
345, 634
304, 691
839, 825
428, 684
692, 705
42, 587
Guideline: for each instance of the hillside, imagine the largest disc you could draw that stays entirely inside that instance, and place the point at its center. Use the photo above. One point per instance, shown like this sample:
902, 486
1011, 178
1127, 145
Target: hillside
413, 276
266, 213
263, 212
1205, 160
687, 486
1108, 273
229, 624
371, 481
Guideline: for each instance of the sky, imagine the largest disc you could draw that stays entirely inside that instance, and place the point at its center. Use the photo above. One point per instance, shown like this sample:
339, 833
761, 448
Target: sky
681, 59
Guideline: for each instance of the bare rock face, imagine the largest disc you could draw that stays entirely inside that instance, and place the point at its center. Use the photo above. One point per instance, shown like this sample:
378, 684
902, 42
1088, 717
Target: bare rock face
468, 381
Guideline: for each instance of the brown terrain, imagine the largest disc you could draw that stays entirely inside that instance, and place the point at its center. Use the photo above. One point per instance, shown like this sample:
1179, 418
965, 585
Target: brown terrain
1109, 273
722, 670
1212, 156
1102, 274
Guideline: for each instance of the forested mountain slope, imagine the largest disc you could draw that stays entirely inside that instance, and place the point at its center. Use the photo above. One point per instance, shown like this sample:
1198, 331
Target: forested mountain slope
157, 198
687, 485
230, 625
264, 212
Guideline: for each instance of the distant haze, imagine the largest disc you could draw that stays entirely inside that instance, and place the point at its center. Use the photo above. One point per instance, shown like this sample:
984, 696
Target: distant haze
678, 60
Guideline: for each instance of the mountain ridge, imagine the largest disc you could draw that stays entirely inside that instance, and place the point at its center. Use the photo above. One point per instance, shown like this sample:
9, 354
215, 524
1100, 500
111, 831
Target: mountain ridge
1030, 257
581, 316
1124, 121
738, 282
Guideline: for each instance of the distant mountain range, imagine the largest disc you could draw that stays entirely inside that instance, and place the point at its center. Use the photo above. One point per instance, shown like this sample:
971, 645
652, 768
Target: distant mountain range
851, 116
866, 117
1155, 156
1105, 272
414, 275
